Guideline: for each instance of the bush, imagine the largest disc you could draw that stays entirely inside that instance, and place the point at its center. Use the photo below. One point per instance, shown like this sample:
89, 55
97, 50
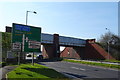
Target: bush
3, 64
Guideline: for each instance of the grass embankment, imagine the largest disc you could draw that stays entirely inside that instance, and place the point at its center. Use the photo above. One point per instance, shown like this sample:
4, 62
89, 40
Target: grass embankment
114, 61
94, 63
36, 72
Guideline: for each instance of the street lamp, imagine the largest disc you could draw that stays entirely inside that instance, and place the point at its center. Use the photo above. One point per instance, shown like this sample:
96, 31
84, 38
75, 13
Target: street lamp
27, 15
108, 44
107, 29
24, 34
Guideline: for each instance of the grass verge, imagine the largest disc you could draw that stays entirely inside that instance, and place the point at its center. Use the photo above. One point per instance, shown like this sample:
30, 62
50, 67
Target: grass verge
2, 64
36, 72
94, 63
114, 61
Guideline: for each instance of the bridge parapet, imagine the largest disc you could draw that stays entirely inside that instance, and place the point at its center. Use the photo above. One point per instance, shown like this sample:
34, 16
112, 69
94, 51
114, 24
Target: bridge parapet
63, 41
69, 41
47, 38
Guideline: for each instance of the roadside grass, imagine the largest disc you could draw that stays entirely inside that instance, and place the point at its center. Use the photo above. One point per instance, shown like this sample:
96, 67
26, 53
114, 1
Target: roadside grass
94, 63
36, 72
114, 61
2, 64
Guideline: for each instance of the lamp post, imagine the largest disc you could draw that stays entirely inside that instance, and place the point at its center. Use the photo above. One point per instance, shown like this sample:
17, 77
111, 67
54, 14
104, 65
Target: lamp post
27, 15
24, 35
108, 43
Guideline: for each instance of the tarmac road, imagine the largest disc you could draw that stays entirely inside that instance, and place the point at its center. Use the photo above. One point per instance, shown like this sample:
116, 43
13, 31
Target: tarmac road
81, 71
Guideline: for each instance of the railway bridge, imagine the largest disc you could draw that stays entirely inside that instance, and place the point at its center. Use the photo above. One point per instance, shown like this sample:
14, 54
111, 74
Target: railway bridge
74, 47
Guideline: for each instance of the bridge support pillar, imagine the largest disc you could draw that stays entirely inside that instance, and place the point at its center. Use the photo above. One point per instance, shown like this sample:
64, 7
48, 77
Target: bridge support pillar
53, 50
56, 45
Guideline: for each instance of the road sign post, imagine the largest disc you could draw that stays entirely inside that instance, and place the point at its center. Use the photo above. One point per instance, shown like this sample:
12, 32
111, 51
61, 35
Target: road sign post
26, 38
33, 58
18, 58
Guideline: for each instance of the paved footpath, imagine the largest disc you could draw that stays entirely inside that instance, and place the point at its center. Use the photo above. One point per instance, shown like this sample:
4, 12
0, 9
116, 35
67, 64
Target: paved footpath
5, 70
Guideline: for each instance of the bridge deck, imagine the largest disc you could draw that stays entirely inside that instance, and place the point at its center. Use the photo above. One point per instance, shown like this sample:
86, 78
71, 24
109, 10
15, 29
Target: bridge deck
63, 41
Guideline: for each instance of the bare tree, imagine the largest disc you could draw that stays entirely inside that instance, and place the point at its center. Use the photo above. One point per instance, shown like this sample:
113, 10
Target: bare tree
114, 43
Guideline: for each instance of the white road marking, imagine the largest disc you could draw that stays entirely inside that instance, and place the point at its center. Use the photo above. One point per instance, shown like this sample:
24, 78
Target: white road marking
82, 69
74, 67
78, 68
